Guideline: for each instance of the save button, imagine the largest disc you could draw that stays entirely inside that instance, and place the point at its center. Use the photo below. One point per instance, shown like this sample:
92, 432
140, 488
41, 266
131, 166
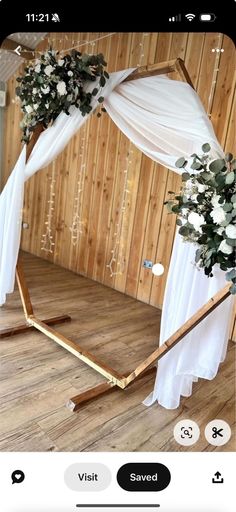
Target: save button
143, 476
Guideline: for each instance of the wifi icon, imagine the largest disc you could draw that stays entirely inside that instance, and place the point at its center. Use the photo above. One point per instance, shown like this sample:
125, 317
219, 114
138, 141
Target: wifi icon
190, 17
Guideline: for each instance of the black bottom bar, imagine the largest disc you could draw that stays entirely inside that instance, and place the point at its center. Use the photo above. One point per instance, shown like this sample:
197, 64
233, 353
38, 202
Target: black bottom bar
105, 505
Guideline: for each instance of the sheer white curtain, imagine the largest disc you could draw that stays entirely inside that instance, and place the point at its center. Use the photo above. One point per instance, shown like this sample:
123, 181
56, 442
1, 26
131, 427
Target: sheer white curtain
165, 119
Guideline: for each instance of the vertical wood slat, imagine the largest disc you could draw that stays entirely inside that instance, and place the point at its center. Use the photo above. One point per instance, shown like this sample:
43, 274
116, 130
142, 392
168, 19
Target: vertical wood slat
100, 208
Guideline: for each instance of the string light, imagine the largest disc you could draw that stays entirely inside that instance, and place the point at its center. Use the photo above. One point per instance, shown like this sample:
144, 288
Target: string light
116, 264
47, 237
117, 261
76, 227
76, 44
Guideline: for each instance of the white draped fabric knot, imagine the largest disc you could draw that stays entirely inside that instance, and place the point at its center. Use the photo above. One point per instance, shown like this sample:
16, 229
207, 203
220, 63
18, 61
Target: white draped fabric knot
165, 119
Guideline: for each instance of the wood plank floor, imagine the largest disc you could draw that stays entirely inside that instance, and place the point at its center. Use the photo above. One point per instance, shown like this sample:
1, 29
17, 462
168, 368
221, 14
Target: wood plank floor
37, 377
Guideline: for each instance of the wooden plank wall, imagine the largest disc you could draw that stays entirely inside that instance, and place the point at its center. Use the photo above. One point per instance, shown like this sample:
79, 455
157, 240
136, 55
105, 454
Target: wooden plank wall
147, 228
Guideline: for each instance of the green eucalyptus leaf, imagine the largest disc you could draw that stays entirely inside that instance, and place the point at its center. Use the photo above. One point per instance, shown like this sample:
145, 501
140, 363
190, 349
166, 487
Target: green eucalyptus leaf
184, 231
229, 178
169, 206
206, 148
231, 275
102, 81
228, 157
227, 207
181, 162
185, 176
231, 241
217, 165
198, 254
179, 222
101, 99
233, 289
220, 179
175, 208
196, 166
229, 217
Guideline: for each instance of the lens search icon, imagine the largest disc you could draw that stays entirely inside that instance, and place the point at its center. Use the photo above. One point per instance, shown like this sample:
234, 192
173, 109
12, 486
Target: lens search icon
17, 476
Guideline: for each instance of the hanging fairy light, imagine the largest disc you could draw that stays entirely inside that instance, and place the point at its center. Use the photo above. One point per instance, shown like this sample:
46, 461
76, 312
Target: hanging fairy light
76, 227
75, 44
47, 238
116, 264
117, 261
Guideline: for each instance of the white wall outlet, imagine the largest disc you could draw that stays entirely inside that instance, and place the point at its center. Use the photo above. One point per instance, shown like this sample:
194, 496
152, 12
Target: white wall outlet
147, 264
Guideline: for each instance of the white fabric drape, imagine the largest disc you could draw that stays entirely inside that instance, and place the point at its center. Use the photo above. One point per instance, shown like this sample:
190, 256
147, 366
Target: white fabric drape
50, 143
165, 119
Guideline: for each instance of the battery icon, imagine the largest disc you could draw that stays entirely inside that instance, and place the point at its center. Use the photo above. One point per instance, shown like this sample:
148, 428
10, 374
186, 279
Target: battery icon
207, 17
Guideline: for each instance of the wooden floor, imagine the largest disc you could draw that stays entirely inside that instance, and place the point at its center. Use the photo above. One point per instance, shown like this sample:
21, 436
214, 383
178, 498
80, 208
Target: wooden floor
37, 377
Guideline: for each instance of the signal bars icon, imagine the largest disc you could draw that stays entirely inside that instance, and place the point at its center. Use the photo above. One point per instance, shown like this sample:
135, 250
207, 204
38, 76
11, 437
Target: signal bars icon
175, 18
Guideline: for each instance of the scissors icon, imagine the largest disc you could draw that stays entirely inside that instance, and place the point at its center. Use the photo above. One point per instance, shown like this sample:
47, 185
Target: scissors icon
216, 432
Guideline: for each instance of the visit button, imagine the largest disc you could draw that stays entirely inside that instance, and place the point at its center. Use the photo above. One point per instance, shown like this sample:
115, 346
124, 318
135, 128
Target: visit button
143, 476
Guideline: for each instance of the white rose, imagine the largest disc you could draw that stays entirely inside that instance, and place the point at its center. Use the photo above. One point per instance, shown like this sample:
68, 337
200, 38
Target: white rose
225, 248
28, 109
196, 220
35, 106
201, 188
37, 68
47, 105
215, 201
230, 231
45, 90
194, 197
220, 231
61, 88
48, 70
218, 215
70, 73
61, 62
35, 90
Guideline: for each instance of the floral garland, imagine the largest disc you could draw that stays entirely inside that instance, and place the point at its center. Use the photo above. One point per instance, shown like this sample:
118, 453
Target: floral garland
53, 84
206, 209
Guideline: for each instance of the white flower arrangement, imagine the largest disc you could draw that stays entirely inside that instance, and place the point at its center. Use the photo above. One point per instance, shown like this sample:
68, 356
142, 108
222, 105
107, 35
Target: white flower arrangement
206, 208
52, 84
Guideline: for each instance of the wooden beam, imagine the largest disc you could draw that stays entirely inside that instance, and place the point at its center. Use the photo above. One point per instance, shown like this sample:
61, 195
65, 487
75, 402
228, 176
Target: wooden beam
90, 394
183, 73
187, 327
20, 329
78, 351
24, 291
39, 128
160, 68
